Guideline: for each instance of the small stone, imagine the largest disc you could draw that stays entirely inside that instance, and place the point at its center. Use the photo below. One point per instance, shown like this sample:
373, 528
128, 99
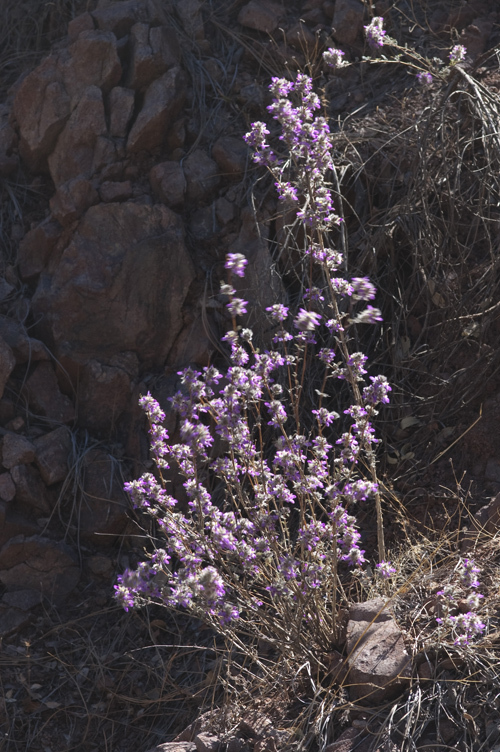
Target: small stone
45, 397
71, 200
51, 455
22, 599
36, 246
300, 37
12, 619
16, 450
375, 610
224, 210
163, 100
168, 183
121, 105
7, 487
76, 26
100, 565
30, 489
231, 155
347, 20
261, 16
189, 12
110, 191
40, 564
207, 743
202, 176
119, 17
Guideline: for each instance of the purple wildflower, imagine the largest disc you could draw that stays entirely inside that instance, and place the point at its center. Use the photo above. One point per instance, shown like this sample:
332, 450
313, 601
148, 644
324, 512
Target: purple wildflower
375, 33
236, 262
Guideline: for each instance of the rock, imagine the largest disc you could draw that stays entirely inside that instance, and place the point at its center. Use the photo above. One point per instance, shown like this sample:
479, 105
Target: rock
103, 506
7, 364
119, 17
163, 100
203, 223
379, 666
224, 211
105, 390
207, 743
7, 487
375, 609
189, 12
154, 51
90, 61
12, 619
43, 101
23, 347
51, 455
255, 724
261, 16
16, 450
347, 20
121, 105
111, 191
81, 23
119, 286
201, 174
22, 599
76, 154
475, 37
40, 564
71, 200
36, 246
30, 489
168, 183
100, 565
44, 396
41, 108
231, 155
200, 725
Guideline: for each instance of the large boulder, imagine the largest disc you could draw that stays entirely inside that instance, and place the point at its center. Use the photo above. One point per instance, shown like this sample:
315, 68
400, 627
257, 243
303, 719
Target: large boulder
48, 95
119, 286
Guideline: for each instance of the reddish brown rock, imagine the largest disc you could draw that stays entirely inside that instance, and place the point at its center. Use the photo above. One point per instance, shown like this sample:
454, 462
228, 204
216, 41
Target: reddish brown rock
261, 16
119, 17
119, 286
90, 61
45, 98
168, 183
81, 23
189, 12
75, 154
379, 666
7, 487
207, 743
121, 105
36, 246
202, 176
163, 100
30, 489
41, 109
105, 390
44, 396
16, 450
111, 191
51, 455
7, 363
301, 38
475, 36
40, 564
154, 51
347, 20
72, 199
23, 347
103, 505
231, 155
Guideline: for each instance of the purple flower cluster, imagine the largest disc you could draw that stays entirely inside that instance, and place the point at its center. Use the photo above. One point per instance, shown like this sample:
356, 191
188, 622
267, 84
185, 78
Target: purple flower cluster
457, 54
269, 484
464, 626
375, 32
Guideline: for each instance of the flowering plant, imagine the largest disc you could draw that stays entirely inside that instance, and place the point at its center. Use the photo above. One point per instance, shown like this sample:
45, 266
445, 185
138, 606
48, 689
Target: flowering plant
271, 485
